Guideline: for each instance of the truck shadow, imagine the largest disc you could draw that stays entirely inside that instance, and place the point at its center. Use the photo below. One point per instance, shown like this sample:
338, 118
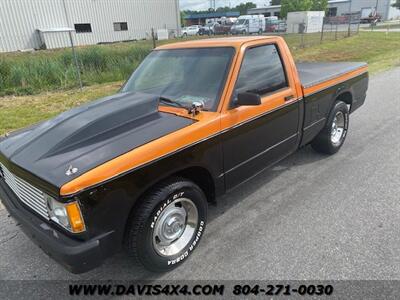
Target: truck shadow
122, 267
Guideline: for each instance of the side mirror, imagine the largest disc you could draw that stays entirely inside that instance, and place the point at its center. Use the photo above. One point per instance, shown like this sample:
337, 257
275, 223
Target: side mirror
247, 98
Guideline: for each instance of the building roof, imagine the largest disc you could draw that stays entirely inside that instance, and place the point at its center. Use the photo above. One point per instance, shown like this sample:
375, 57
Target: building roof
215, 14
236, 42
61, 29
337, 1
254, 10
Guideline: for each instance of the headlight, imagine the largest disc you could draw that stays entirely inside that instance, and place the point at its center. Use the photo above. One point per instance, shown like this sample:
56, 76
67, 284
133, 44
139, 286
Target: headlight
68, 215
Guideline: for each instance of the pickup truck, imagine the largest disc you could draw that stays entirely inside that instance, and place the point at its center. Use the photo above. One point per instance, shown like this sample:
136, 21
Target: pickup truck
138, 169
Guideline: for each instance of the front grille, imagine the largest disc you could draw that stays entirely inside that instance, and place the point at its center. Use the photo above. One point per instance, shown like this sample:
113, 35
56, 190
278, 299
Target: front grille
28, 194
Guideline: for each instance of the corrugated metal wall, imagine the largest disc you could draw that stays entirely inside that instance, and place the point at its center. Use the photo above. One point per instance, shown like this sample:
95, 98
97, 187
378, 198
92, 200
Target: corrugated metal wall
358, 5
19, 20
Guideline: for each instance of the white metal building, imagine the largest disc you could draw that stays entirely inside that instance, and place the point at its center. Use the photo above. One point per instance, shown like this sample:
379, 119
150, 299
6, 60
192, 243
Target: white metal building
383, 7
340, 7
34, 24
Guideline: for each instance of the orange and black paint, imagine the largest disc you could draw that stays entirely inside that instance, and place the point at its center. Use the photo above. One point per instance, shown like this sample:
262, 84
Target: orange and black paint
216, 149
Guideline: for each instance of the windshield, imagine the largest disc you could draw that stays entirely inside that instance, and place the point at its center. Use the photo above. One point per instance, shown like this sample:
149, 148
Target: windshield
183, 75
240, 21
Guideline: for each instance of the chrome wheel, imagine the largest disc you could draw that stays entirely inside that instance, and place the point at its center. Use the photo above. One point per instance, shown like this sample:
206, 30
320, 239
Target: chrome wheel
338, 128
175, 227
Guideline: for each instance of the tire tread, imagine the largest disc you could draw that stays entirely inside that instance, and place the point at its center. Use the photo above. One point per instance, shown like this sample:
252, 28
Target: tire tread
144, 209
322, 142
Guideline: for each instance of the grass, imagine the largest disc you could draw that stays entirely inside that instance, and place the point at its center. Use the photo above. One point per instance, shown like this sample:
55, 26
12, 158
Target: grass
385, 25
379, 49
21, 111
49, 70
32, 73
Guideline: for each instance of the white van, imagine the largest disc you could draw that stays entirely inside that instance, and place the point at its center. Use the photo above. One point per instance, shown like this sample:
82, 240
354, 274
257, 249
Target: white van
271, 18
249, 24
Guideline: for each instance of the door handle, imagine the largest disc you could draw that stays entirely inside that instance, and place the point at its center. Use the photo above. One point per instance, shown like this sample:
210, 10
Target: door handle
288, 98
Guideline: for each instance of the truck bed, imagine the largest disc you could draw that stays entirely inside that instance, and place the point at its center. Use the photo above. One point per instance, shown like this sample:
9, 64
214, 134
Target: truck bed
313, 73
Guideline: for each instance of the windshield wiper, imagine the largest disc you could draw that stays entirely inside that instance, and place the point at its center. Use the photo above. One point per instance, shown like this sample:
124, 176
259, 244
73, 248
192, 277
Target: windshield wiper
172, 102
194, 109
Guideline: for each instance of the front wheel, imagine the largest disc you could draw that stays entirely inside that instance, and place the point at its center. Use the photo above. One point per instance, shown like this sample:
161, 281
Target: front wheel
333, 135
168, 224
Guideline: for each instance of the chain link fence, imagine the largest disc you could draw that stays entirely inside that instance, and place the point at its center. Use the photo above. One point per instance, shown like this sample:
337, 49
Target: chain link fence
67, 68
35, 71
333, 28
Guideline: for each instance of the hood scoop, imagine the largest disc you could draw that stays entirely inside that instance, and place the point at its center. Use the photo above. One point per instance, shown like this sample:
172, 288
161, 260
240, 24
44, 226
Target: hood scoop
88, 136
109, 124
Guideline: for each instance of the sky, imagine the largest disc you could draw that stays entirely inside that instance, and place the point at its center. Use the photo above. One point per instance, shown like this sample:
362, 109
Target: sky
205, 4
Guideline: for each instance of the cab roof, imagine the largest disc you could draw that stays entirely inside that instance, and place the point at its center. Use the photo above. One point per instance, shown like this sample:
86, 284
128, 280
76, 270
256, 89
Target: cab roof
216, 42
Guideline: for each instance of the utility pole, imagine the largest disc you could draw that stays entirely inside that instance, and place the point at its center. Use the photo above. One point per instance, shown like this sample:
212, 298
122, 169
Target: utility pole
212, 4
348, 33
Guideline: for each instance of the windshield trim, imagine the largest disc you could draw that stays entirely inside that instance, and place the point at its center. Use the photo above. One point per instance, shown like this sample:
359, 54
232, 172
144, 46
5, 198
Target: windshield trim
223, 81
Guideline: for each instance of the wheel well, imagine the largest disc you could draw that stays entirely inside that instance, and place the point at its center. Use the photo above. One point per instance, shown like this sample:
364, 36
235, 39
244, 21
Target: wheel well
346, 97
198, 175
202, 178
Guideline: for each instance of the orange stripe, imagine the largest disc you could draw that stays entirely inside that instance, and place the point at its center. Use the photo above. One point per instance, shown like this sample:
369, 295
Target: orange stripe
208, 123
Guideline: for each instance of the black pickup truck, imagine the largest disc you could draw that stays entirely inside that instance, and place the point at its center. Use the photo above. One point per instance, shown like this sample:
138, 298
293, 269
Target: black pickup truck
139, 168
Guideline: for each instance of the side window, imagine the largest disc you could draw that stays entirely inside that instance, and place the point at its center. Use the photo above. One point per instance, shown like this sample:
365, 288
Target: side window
83, 27
261, 72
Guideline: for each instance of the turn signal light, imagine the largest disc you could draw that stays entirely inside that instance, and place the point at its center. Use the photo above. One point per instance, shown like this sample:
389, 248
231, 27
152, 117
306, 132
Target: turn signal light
75, 217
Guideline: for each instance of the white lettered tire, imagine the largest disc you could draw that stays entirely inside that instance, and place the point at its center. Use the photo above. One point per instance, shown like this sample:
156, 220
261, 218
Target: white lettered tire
167, 225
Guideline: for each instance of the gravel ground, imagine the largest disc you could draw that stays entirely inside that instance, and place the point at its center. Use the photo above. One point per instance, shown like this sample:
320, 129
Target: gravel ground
309, 217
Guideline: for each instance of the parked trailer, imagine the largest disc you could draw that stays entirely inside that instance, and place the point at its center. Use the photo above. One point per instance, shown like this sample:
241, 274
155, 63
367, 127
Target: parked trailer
305, 21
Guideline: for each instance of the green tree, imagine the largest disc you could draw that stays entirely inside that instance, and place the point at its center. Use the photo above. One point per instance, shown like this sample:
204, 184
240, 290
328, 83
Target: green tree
295, 5
223, 9
302, 5
183, 16
275, 2
396, 4
243, 7
319, 5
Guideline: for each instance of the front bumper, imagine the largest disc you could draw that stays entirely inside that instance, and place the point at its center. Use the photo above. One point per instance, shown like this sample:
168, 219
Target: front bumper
237, 30
76, 256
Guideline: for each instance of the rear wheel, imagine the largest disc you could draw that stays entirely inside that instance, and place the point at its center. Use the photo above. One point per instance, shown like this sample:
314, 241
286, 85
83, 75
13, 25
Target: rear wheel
333, 135
168, 224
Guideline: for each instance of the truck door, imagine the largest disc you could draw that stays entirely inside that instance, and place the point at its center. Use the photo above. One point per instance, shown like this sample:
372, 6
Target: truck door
257, 136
